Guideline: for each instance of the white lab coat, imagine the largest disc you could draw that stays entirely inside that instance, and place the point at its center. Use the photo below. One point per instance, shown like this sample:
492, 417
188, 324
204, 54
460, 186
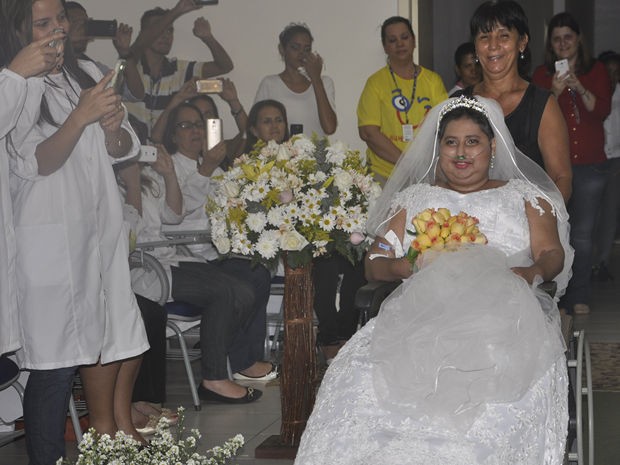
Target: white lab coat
13, 96
196, 189
74, 295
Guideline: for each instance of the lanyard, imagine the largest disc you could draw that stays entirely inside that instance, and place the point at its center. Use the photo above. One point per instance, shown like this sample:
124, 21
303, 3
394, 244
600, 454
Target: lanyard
399, 101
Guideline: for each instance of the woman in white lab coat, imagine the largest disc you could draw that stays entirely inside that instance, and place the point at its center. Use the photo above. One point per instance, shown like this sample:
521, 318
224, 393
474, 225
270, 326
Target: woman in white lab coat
33, 60
75, 301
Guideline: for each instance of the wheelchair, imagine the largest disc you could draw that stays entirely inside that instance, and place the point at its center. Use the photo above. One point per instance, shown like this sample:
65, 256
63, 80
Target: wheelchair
368, 303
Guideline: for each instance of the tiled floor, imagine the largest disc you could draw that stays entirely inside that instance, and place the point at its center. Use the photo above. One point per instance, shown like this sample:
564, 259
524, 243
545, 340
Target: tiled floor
260, 420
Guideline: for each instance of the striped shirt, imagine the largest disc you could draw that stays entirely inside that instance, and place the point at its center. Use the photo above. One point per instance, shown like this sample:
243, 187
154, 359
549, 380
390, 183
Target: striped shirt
159, 92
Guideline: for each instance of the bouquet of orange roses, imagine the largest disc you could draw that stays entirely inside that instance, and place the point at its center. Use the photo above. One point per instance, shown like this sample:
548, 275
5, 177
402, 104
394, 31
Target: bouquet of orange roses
440, 230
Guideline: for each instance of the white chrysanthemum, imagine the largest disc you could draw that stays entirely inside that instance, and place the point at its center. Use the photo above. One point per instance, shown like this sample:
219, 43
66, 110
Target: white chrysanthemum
275, 215
343, 180
303, 147
256, 221
268, 244
337, 153
283, 153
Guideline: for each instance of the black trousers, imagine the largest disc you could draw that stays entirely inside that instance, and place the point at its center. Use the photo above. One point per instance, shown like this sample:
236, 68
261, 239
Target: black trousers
150, 384
336, 325
228, 304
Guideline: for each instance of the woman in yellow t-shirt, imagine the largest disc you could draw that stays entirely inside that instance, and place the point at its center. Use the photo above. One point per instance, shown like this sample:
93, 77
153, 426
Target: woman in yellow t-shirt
396, 98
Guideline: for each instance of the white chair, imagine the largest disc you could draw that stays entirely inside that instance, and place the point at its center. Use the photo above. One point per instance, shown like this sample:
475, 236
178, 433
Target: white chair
174, 327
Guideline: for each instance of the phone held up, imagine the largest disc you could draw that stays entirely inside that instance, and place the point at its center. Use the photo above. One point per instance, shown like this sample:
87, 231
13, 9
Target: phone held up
118, 80
148, 154
561, 67
209, 86
296, 129
101, 28
214, 132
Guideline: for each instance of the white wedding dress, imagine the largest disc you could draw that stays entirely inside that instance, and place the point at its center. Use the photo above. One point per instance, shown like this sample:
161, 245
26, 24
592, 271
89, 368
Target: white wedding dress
465, 362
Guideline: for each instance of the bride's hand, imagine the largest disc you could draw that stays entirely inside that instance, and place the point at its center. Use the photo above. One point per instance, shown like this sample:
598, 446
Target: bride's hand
527, 272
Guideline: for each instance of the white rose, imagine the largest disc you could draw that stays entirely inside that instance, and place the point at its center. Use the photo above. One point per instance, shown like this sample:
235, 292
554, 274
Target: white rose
337, 153
222, 244
292, 241
343, 180
230, 188
283, 153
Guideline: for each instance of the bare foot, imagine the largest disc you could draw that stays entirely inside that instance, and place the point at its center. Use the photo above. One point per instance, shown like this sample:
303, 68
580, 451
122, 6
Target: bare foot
257, 370
225, 387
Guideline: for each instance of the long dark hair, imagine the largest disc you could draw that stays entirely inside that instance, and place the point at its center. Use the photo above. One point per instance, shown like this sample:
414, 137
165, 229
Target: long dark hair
250, 138
507, 13
15, 28
171, 126
584, 60
70, 68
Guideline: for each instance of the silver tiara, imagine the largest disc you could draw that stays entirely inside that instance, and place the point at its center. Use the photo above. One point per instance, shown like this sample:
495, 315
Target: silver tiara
463, 102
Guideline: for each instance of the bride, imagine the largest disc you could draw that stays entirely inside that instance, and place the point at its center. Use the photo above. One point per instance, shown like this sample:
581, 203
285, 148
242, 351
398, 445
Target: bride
465, 362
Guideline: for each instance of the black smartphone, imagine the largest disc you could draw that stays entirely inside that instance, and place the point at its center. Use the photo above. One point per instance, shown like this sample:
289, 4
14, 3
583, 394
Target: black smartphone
101, 28
297, 129
206, 2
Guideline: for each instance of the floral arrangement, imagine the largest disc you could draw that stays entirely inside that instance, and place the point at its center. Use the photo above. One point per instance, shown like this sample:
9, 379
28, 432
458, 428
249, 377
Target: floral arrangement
303, 197
439, 230
163, 449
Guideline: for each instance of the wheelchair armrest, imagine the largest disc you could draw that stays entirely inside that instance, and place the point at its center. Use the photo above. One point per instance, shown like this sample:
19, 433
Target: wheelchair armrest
368, 298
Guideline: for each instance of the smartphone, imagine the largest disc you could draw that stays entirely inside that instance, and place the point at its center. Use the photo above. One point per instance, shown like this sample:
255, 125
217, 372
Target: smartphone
214, 132
209, 86
297, 129
148, 154
561, 67
206, 2
101, 28
118, 80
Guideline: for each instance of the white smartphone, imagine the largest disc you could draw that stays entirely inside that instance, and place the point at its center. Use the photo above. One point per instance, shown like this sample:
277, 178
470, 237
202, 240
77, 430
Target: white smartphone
561, 67
118, 80
214, 132
148, 154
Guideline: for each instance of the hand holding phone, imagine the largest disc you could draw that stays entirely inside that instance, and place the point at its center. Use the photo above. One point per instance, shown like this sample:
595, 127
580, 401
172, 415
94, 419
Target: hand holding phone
209, 86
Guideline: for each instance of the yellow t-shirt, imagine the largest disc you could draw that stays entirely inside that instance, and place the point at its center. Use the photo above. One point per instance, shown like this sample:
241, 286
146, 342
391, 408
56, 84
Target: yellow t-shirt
376, 108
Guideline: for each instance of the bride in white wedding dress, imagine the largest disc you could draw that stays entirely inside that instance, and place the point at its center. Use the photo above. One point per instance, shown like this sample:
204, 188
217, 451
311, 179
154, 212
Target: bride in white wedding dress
465, 362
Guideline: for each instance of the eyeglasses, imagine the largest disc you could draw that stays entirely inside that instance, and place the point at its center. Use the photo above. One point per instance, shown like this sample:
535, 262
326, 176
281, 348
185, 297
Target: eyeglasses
190, 125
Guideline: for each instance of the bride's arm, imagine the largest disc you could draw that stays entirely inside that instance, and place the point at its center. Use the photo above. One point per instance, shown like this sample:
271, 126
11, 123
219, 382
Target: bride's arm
384, 266
547, 251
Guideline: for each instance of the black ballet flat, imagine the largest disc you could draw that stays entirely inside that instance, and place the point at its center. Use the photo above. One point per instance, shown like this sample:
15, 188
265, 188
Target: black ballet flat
208, 395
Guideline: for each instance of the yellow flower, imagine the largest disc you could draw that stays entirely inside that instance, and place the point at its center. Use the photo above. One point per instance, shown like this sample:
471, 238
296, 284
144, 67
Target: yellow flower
421, 242
457, 227
419, 224
432, 229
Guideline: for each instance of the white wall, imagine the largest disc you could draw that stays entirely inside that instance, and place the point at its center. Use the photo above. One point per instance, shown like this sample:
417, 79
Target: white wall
346, 33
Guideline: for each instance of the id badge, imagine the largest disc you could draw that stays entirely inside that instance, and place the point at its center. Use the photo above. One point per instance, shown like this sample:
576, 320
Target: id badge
407, 132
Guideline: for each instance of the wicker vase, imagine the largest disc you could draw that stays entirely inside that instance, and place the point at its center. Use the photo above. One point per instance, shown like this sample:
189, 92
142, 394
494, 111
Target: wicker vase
297, 384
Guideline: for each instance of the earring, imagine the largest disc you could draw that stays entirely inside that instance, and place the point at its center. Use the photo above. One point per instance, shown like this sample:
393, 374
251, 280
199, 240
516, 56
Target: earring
492, 162
522, 55
476, 60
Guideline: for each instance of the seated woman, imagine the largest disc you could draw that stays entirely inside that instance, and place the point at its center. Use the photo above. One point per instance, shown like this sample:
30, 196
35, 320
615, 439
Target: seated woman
196, 169
227, 303
267, 121
465, 362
